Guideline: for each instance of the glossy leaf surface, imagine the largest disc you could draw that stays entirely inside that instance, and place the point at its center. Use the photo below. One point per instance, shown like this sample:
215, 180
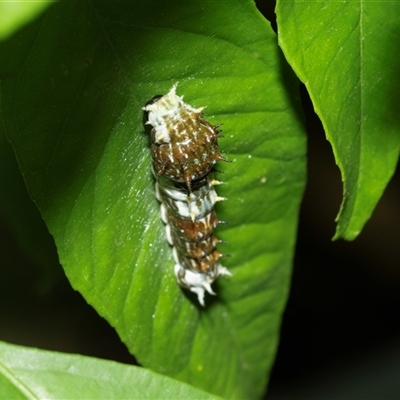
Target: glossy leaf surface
38, 374
72, 108
346, 53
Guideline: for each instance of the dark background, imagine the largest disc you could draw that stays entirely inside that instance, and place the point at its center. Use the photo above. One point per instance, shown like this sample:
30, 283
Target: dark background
341, 329
340, 336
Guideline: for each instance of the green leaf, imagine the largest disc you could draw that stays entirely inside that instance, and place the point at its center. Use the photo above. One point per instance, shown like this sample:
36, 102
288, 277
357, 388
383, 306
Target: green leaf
15, 14
38, 374
72, 107
346, 53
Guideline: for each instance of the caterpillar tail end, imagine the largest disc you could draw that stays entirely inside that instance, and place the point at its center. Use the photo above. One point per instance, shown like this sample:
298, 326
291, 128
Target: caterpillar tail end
196, 282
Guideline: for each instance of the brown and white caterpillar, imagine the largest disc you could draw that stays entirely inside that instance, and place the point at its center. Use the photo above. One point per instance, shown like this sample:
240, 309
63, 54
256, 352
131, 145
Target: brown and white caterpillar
184, 150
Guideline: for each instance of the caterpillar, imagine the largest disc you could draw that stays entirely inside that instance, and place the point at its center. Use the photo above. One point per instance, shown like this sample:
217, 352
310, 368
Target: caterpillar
185, 149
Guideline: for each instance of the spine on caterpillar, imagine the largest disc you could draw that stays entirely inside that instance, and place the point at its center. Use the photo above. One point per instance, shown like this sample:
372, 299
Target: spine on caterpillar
184, 150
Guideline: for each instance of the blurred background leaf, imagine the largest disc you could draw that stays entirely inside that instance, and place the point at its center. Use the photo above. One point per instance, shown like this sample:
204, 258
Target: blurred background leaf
15, 14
